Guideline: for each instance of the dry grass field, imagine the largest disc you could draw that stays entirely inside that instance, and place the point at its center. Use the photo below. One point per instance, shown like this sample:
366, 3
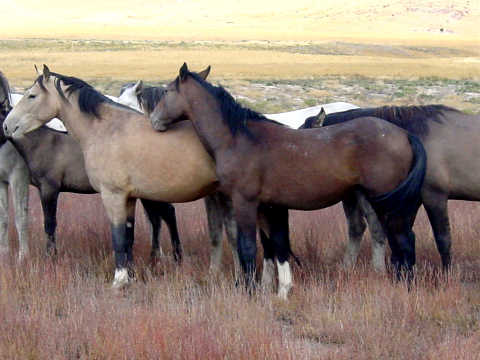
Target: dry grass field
64, 309
273, 56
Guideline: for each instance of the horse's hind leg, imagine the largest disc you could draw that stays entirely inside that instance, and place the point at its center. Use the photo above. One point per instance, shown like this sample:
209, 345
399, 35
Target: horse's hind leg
4, 244
156, 211
215, 214
436, 206
19, 183
49, 199
356, 228
168, 215
376, 232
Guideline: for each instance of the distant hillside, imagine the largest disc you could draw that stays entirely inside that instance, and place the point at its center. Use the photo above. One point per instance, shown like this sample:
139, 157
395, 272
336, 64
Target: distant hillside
409, 20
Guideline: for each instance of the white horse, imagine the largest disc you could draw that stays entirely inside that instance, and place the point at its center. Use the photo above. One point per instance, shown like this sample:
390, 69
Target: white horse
293, 119
13, 172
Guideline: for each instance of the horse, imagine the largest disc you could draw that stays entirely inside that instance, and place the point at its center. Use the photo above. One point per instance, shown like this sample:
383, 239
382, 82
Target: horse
117, 144
218, 206
451, 138
55, 164
258, 161
14, 173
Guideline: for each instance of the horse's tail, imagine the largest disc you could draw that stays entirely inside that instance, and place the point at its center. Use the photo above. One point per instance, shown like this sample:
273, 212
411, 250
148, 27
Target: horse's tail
405, 198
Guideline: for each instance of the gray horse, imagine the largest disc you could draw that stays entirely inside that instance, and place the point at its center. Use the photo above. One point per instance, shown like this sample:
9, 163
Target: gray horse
13, 172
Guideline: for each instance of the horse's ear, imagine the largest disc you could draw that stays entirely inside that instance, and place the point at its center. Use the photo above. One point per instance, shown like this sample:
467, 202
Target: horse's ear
184, 72
322, 115
36, 69
46, 72
138, 87
203, 74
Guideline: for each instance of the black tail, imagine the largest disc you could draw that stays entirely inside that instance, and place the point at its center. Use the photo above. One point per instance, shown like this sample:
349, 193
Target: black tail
406, 196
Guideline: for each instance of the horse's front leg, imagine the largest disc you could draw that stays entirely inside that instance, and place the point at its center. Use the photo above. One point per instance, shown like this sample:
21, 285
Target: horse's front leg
215, 214
245, 212
401, 237
20, 182
116, 208
376, 232
356, 227
130, 229
155, 223
277, 220
4, 244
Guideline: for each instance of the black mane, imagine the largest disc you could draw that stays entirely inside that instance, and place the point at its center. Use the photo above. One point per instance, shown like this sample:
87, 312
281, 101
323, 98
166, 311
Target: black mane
150, 97
234, 114
414, 119
88, 98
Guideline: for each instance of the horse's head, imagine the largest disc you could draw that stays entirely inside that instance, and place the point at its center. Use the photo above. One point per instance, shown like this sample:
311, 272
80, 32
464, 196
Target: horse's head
315, 121
36, 107
173, 106
130, 95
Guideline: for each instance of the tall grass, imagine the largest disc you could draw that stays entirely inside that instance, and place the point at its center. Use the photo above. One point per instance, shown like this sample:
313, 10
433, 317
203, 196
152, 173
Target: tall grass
64, 308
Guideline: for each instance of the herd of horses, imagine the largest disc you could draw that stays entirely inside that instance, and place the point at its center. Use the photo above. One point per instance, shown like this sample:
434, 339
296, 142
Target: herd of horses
192, 140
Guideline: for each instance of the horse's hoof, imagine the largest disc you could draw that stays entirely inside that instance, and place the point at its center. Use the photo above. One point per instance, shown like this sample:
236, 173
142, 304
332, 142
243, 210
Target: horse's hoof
155, 255
51, 251
283, 292
121, 279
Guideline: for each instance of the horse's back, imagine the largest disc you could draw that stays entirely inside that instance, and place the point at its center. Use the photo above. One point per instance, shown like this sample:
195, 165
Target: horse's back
172, 166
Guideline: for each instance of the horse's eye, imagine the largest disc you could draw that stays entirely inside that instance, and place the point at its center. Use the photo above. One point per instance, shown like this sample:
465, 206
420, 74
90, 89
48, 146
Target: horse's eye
32, 96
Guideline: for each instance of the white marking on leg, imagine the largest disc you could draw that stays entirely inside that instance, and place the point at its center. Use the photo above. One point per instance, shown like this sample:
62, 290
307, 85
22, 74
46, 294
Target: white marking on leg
268, 274
284, 279
121, 278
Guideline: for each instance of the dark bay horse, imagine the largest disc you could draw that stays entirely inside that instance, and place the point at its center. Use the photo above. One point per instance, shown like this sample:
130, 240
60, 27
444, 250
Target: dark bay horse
218, 206
55, 163
260, 162
451, 139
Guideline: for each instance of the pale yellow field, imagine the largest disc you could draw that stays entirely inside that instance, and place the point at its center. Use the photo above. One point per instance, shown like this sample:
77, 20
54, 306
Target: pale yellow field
246, 39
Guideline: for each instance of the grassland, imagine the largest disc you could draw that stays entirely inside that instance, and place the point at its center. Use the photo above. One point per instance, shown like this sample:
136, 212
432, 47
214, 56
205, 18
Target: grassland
64, 309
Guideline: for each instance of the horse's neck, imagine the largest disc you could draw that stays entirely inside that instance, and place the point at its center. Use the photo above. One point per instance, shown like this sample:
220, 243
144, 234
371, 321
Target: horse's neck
28, 145
208, 122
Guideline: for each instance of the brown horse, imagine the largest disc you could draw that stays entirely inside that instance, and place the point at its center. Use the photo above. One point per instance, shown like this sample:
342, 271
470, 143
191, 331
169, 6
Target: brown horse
451, 139
258, 161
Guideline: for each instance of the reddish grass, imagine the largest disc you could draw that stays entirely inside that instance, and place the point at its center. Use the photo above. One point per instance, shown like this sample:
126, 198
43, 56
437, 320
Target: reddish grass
64, 309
